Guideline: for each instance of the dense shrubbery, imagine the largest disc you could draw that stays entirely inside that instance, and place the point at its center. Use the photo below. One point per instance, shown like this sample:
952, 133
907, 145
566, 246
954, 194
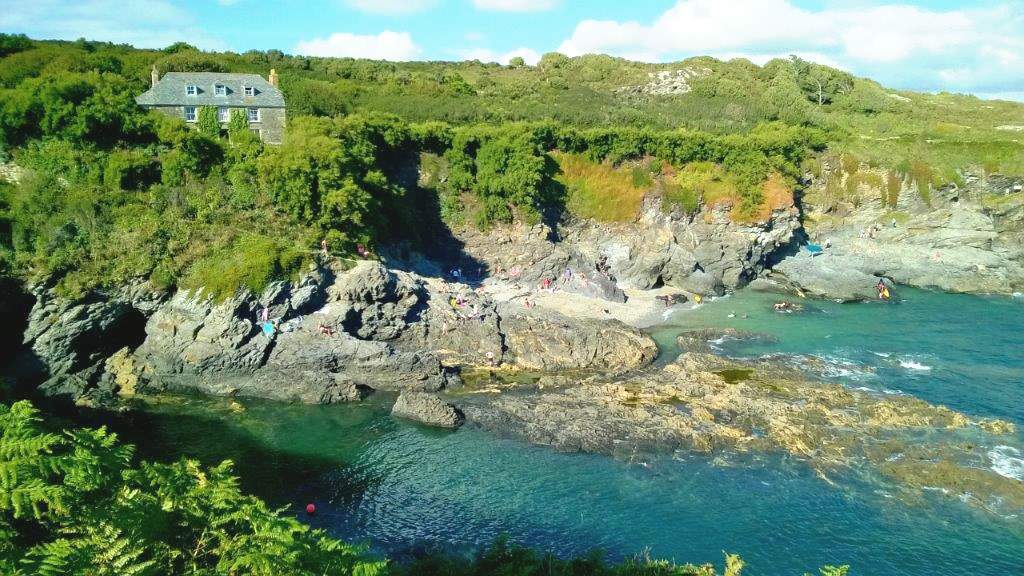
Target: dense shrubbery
506, 166
115, 192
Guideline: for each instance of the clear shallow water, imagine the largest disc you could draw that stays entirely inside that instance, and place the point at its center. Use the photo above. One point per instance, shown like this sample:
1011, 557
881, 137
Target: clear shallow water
403, 487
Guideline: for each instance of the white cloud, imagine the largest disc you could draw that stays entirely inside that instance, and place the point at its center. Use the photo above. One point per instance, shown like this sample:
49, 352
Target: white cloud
902, 44
391, 6
516, 5
387, 45
142, 23
528, 55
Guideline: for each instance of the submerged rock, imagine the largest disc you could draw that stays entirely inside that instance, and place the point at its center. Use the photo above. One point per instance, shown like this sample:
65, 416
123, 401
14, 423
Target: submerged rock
705, 403
427, 409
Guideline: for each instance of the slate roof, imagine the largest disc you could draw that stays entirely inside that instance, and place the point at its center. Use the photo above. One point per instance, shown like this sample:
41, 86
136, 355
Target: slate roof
170, 91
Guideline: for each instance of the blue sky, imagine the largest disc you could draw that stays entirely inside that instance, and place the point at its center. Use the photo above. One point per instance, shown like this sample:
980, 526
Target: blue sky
974, 46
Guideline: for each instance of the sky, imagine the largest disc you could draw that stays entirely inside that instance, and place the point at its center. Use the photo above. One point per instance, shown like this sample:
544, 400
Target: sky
972, 46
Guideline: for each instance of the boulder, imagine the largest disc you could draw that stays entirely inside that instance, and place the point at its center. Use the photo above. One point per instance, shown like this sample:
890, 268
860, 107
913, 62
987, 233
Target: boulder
427, 409
550, 342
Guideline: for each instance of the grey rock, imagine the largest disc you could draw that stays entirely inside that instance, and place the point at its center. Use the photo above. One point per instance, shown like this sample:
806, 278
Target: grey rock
427, 409
553, 342
706, 252
961, 240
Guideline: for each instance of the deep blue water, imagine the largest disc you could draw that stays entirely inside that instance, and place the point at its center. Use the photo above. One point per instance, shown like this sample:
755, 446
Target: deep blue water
401, 486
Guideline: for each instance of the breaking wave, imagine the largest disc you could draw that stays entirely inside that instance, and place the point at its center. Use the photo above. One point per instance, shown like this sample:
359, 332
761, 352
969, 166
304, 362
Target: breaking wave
1007, 461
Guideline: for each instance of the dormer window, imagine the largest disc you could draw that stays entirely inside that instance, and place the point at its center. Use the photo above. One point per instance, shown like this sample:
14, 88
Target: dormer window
249, 90
191, 90
220, 90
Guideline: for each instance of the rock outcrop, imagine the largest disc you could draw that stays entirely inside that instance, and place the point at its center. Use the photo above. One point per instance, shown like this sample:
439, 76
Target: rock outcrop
427, 409
704, 253
332, 336
956, 239
709, 404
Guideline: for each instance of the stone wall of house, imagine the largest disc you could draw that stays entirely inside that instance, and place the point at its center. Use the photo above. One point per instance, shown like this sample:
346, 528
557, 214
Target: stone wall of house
271, 124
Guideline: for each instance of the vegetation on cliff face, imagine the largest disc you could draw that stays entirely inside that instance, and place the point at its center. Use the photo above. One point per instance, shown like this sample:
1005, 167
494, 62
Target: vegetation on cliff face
111, 192
74, 502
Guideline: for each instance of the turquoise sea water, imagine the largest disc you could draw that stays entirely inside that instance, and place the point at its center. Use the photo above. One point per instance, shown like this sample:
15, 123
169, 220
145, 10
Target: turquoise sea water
404, 487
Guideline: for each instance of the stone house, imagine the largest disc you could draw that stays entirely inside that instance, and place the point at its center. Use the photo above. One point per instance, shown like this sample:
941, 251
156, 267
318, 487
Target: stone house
182, 94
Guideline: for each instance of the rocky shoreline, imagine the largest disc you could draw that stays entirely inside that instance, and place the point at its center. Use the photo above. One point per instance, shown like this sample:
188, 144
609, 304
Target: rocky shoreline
967, 238
562, 363
708, 404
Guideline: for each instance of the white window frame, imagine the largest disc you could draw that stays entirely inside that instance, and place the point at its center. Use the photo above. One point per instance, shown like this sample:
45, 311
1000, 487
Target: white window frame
223, 114
191, 90
252, 117
220, 90
194, 111
249, 90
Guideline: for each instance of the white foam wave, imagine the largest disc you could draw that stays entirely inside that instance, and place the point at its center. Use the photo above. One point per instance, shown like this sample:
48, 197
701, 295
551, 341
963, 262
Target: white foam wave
1007, 461
914, 365
882, 354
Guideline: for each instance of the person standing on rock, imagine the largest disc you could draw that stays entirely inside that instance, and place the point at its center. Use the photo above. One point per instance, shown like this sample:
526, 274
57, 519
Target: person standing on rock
323, 247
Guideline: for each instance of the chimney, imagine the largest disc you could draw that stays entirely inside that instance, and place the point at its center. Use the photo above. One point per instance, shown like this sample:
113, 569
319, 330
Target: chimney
272, 78
154, 76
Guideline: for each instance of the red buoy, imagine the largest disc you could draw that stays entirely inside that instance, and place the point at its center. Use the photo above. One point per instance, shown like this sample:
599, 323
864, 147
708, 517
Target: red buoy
310, 509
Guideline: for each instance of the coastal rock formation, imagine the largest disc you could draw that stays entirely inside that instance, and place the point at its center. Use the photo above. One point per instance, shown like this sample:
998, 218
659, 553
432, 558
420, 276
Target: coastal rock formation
427, 409
703, 253
331, 336
68, 341
552, 342
709, 404
966, 238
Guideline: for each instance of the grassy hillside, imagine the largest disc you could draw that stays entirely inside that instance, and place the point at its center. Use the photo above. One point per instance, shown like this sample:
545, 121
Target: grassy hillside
861, 116
112, 192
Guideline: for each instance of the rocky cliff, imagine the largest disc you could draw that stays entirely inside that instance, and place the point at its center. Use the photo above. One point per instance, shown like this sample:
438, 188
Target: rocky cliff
704, 253
332, 335
966, 237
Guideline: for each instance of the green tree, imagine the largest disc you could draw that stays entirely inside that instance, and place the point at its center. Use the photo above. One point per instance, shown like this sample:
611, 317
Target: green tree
12, 43
509, 173
820, 84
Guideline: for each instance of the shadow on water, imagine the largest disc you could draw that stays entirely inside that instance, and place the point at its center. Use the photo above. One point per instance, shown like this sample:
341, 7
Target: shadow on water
278, 472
